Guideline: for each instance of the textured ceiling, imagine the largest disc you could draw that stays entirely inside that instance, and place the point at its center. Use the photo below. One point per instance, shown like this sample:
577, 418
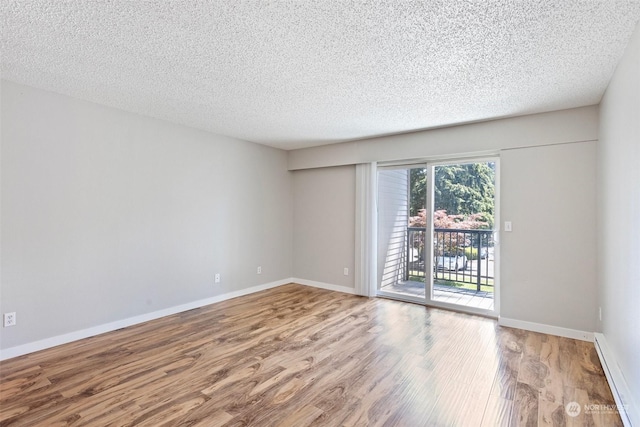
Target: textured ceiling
297, 73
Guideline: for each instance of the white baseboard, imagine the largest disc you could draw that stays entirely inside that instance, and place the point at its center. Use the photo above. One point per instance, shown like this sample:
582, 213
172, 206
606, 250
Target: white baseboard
546, 329
629, 412
119, 324
322, 285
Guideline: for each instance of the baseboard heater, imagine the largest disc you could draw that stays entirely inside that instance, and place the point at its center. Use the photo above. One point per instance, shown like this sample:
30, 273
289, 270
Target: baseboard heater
618, 385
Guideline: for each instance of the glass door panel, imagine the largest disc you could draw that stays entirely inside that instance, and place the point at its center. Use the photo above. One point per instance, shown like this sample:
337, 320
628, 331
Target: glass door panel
463, 247
402, 232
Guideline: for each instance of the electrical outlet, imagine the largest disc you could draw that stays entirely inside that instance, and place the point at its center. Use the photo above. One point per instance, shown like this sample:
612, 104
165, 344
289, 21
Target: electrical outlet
507, 226
345, 271
259, 271
9, 319
217, 278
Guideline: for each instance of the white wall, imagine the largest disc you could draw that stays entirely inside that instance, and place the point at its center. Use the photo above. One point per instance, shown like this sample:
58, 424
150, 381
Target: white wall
393, 219
577, 124
107, 215
548, 261
619, 217
324, 225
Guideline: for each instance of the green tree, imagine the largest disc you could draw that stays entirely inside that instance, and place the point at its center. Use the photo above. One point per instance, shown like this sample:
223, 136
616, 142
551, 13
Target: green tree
460, 189
418, 193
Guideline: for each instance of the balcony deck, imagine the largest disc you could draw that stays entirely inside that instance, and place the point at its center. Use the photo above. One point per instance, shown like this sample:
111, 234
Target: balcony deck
445, 293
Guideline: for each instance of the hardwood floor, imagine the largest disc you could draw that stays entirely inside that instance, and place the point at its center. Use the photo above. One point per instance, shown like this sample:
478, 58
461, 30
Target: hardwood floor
300, 356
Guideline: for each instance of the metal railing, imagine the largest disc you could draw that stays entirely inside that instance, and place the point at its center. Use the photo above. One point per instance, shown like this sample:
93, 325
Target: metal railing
460, 257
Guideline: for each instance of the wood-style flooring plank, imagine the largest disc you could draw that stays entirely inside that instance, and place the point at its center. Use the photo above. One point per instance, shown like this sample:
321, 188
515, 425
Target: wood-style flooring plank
300, 356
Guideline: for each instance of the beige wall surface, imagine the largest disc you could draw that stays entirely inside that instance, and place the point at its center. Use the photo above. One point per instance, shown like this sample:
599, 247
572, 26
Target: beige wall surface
574, 125
548, 261
107, 215
619, 217
324, 225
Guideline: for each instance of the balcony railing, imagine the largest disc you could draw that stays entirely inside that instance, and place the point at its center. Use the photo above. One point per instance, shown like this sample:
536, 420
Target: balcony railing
462, 258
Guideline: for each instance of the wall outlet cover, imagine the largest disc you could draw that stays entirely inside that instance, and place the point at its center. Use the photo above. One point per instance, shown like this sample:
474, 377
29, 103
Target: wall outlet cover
9, 319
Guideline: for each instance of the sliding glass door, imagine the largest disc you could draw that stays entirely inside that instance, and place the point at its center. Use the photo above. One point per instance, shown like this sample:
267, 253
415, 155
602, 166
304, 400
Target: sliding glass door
436, 237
